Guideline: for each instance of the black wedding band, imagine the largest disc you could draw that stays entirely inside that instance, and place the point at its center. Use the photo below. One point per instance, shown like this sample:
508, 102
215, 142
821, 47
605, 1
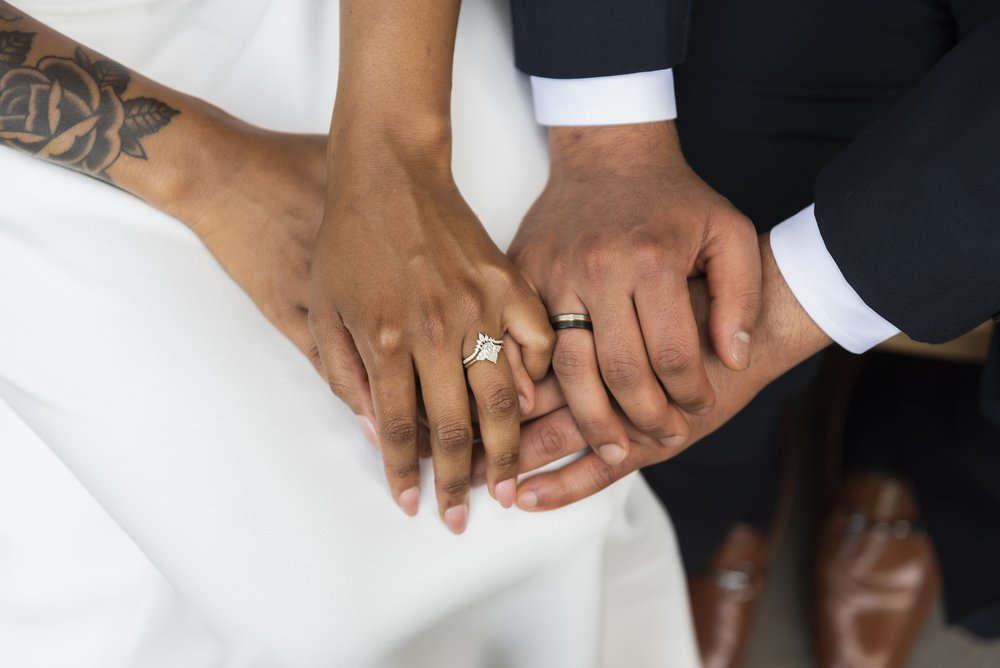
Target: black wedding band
571, 321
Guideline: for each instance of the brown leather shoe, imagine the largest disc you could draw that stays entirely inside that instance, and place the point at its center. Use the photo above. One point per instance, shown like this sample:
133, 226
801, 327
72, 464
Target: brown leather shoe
723, 600
877, 576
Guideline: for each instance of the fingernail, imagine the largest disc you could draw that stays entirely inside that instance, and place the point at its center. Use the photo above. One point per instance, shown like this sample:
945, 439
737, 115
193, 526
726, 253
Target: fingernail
523, 402
739, 348
674, 441
409, 501
527, 500
505, 492
612, 454
456, 517
368, 429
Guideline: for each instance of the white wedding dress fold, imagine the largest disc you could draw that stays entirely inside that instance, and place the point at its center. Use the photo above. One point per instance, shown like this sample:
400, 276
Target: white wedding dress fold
210, 503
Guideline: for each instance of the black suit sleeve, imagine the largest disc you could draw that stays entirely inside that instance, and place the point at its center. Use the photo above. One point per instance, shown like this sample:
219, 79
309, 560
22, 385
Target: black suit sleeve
572, 39
911, 210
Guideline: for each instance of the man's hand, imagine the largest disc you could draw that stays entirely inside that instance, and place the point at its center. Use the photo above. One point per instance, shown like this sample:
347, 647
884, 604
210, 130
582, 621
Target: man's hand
785, 336
621, 226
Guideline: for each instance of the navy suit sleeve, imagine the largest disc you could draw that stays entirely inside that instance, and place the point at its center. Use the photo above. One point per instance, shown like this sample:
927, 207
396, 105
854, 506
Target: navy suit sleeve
910, 211
572, 39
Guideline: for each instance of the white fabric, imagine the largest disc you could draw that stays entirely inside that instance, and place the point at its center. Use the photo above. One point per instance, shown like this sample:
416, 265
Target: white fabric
208, 439
642, 97
820, 287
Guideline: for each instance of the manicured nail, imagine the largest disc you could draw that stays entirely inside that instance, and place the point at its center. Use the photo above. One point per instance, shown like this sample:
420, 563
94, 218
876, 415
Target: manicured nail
456, 517
523, 402
739, 348
527, 500
409, 501
505, 492
674, 441
612, 454
368, 429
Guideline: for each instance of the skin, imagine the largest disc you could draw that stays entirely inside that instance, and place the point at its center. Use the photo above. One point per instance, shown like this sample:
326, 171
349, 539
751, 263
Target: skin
785, 337
292, 219
392, 203
621, 226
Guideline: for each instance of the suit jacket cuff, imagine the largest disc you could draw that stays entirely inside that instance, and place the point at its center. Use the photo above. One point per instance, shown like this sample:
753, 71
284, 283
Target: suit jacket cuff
642, 97
820, 287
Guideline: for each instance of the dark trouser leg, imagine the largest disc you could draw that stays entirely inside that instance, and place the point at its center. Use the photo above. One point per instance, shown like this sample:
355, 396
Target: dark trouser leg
769, 93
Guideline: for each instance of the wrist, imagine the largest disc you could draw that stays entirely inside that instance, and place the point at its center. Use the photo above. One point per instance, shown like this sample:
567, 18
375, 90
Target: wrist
634, 149
786, 335
410, 138
197, 160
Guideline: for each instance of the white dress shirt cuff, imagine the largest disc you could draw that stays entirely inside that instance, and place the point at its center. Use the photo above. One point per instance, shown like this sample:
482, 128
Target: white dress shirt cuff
818, 284
643, 97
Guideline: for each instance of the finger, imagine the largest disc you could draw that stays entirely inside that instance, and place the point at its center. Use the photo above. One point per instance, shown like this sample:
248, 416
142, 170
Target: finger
575, 481
733, 269
548, 398
523, 383
397, 426
575, 365
625, 367
331, 348
527, 322
587, 475
672, 342
549, 439
499, 422
445, 396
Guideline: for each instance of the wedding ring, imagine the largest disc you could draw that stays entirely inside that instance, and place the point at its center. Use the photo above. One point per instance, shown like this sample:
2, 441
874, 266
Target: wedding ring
487, 348
571, 321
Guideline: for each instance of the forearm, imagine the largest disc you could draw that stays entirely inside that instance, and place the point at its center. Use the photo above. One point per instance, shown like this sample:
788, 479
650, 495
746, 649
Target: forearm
394, 87
71, 106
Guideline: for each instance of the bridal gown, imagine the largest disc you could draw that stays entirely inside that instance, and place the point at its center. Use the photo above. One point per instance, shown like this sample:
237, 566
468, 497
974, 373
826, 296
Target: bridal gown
177, 486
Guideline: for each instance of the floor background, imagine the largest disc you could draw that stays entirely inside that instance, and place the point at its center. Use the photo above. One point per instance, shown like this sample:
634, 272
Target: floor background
781, 637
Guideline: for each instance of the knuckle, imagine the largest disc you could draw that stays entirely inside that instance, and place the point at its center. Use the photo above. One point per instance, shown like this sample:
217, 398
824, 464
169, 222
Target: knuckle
504, 461
455, 486
552, 442
454, 438
399, 431
501, 403
405, 471
622, 371
675, 358
388, 340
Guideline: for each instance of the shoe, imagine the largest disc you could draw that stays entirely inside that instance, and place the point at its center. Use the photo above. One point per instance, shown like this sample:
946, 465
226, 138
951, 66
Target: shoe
876, 576
724, 599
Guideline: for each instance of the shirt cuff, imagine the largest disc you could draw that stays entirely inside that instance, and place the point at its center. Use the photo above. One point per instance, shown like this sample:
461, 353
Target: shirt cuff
818, 284
642, 97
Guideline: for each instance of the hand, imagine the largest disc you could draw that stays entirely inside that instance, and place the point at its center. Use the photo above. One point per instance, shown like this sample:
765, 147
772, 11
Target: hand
255, 199
786, 336
405, 272
619, 229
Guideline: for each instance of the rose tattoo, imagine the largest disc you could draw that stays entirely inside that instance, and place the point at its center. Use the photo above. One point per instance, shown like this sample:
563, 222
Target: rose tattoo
72, 111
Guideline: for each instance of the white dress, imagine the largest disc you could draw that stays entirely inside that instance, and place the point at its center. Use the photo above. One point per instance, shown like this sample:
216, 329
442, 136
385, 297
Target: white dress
203, 500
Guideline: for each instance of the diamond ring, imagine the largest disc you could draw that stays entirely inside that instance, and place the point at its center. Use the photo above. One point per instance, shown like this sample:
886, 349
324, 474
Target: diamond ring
487, 348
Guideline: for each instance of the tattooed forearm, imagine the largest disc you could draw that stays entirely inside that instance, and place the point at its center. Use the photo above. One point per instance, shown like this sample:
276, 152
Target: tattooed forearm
72, 111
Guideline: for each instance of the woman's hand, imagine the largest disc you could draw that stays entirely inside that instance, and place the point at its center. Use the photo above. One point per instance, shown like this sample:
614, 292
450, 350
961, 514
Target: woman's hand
255, 198
404, 271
